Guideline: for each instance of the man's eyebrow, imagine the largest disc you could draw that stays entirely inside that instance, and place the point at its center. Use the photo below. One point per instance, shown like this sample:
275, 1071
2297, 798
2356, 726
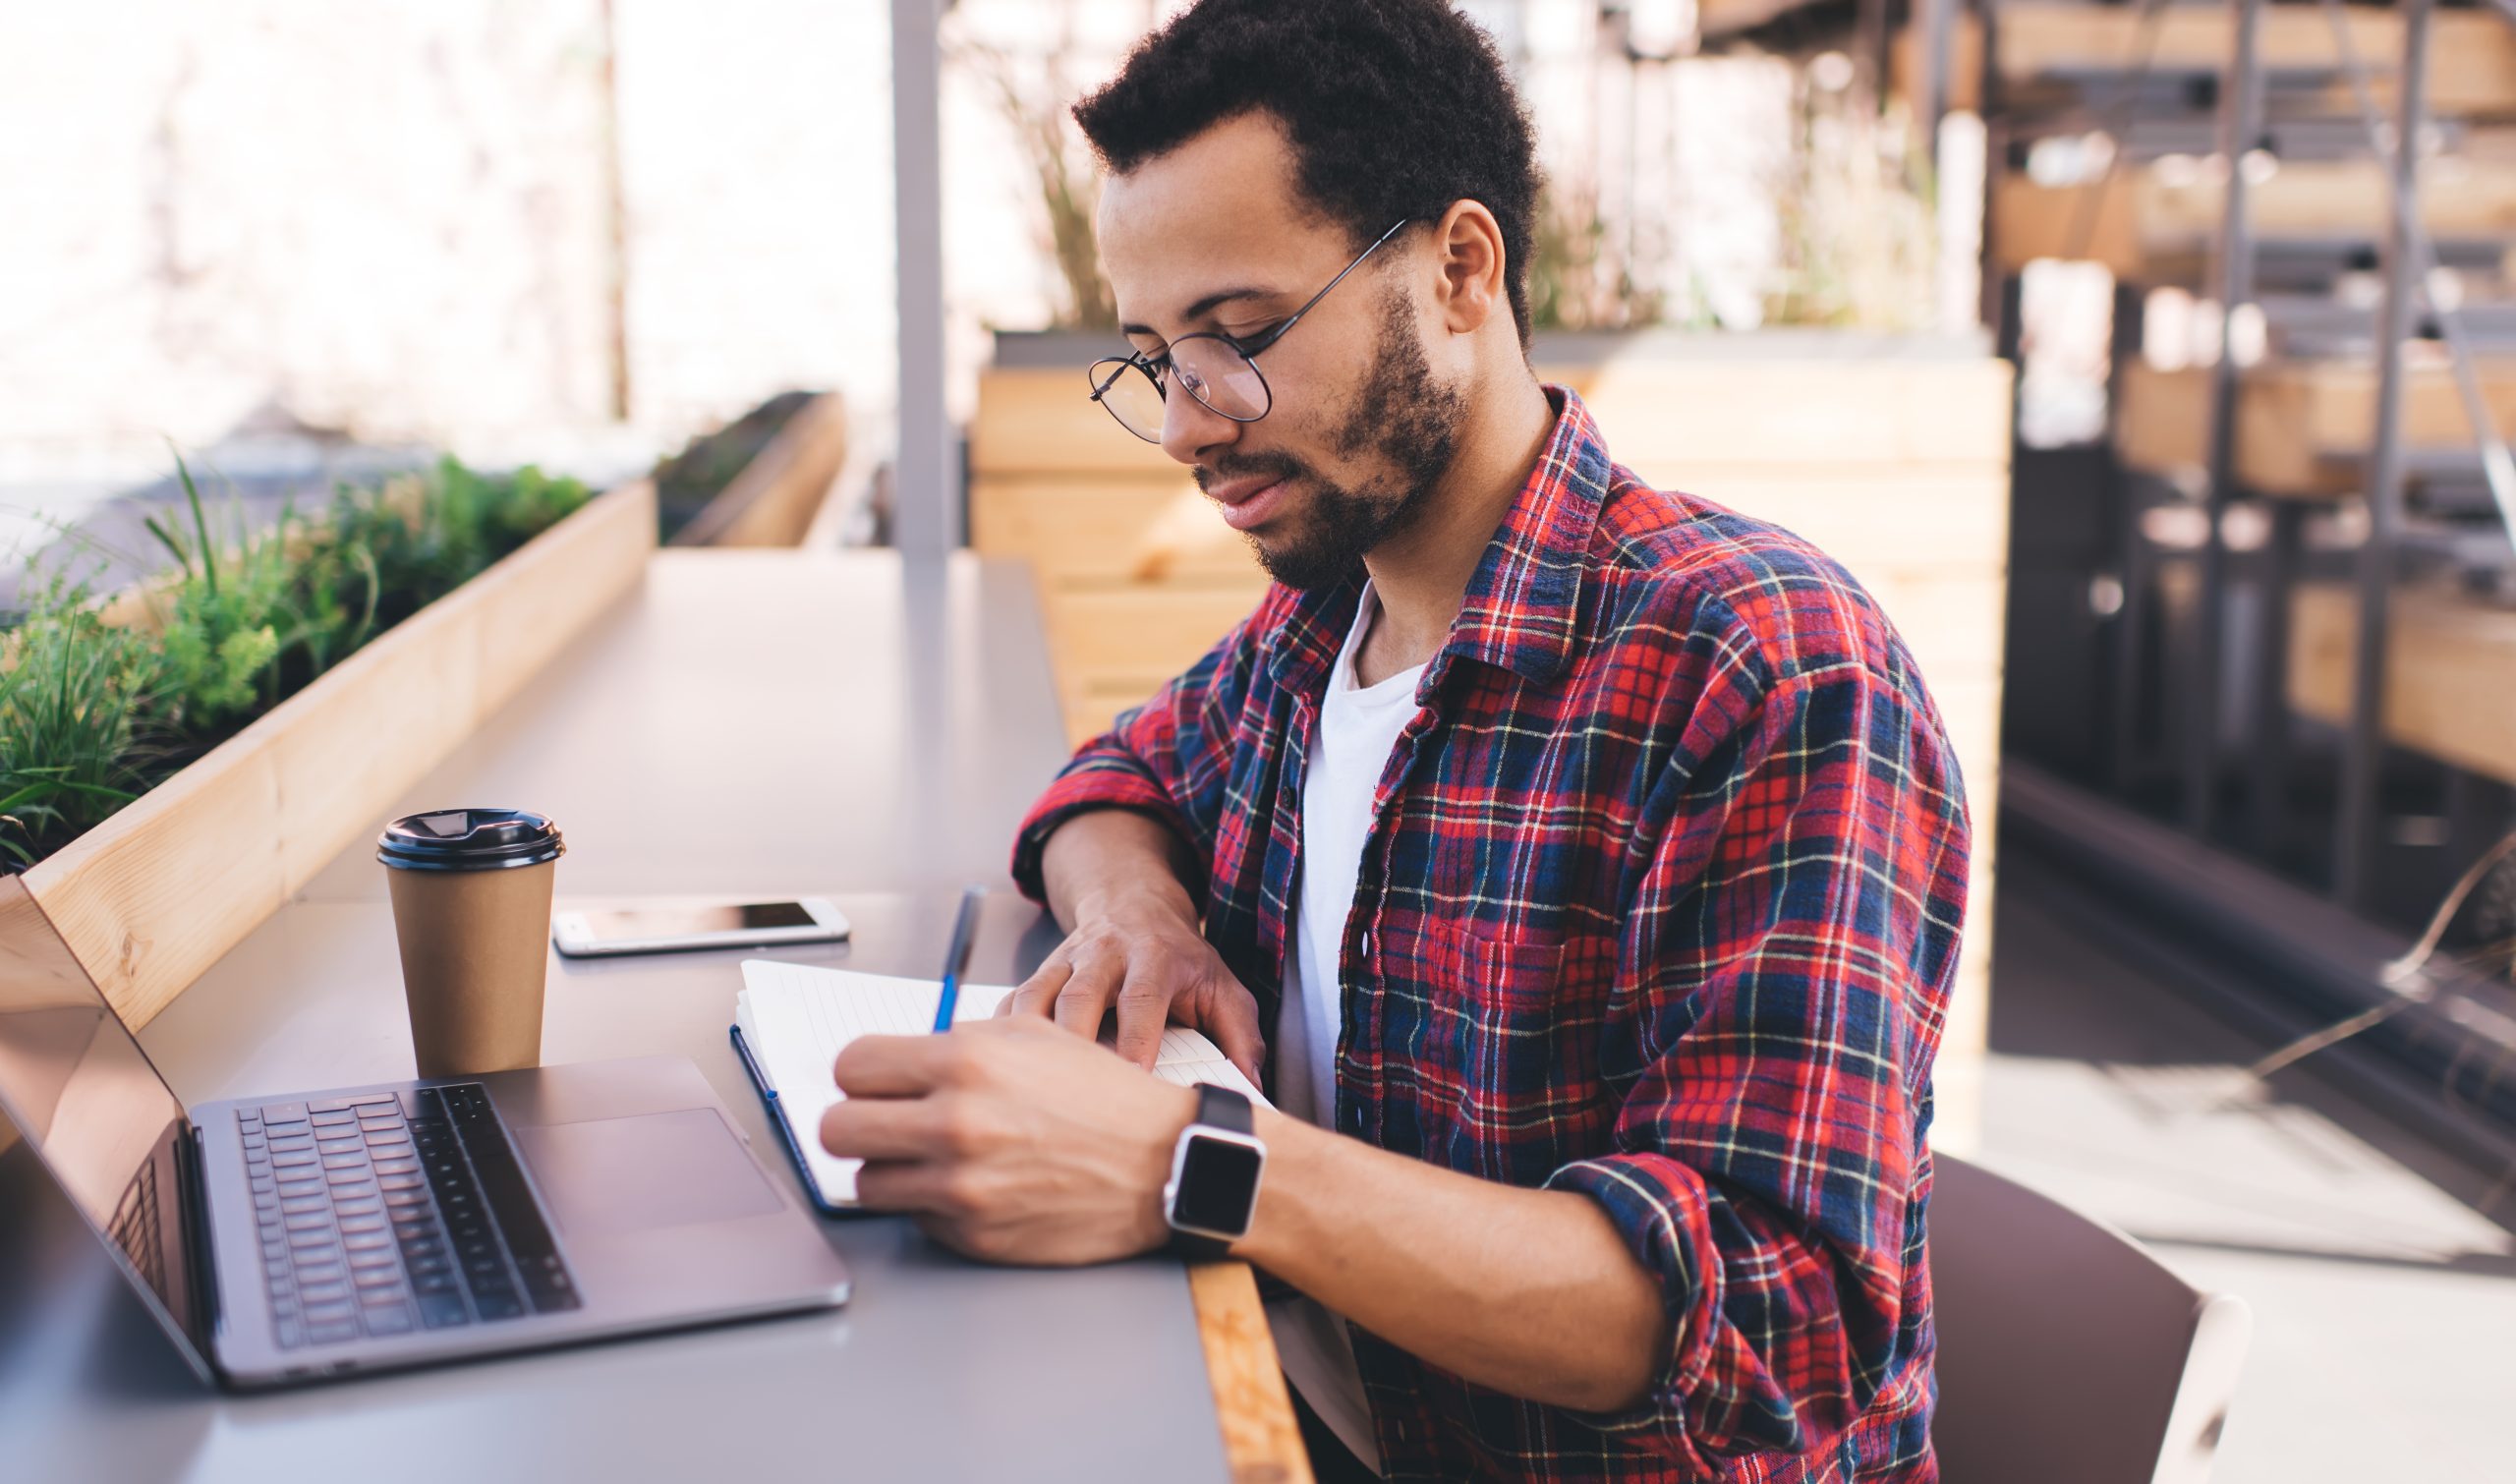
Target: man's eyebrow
1201, 309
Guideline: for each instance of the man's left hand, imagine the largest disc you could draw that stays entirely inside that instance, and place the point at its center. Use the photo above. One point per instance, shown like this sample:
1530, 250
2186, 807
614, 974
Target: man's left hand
1010, 1140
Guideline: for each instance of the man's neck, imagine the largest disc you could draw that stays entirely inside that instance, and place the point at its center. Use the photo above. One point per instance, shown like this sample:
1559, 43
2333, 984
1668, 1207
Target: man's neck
1421, 575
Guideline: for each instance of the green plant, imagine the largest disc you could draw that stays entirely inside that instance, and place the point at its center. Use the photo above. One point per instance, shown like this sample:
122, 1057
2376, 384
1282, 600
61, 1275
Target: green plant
1070, 189
1860, 235
72, 692
257, 616
93, 713
427, 534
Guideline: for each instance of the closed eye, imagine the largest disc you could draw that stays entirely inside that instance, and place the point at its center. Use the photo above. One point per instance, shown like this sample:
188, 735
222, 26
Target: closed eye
1242, 340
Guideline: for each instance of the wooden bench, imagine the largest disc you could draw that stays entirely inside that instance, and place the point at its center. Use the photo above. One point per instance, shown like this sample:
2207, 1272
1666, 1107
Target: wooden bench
2156, 225
2043, 49
2304, 428
2450, 671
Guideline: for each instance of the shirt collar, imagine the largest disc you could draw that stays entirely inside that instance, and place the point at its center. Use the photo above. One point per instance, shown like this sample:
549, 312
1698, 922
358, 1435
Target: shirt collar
1522, 604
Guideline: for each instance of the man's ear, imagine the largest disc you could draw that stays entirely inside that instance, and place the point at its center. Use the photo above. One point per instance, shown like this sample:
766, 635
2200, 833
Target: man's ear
1472, 281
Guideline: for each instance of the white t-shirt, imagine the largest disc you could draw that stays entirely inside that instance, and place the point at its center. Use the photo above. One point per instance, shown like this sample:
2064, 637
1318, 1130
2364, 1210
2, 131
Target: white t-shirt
1350, 749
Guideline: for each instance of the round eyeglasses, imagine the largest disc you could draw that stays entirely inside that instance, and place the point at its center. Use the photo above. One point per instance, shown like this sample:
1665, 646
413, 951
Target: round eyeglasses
1218, 371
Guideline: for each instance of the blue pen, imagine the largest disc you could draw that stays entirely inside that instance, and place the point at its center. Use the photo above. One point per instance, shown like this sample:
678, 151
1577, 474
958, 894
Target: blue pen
965, 932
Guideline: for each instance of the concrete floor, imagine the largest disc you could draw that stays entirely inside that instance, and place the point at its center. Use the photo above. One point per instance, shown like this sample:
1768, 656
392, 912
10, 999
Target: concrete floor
2381, 1273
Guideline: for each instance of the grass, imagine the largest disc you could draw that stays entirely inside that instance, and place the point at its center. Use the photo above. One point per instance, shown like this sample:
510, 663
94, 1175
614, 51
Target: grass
94, 714
72, 696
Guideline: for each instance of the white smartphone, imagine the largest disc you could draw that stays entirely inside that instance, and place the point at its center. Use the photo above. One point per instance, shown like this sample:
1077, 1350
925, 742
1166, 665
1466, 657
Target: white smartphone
601, 933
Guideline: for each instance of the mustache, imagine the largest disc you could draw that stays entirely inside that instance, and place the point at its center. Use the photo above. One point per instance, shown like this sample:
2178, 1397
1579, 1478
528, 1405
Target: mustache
1281, 465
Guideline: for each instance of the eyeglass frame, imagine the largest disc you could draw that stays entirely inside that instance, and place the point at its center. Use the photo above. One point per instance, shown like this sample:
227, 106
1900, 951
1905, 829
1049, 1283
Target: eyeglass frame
1248, 350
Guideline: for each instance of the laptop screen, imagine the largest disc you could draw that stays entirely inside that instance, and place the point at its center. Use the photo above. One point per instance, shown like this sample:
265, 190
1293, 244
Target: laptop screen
76, 1086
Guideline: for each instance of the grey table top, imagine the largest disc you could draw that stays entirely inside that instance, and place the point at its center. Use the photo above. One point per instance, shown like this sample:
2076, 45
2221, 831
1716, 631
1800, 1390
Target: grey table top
829, 725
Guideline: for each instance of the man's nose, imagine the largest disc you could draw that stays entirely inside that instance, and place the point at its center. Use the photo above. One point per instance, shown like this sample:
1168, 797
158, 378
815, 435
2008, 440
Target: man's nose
1189, 427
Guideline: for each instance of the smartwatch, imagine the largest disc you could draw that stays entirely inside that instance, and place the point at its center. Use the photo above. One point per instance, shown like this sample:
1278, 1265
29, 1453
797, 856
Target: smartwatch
1214, 1176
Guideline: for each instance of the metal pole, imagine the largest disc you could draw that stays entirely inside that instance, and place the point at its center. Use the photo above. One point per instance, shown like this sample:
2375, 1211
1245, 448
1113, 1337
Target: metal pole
1938, 26
2268, 780
925, 520
2240, 129
2362, 754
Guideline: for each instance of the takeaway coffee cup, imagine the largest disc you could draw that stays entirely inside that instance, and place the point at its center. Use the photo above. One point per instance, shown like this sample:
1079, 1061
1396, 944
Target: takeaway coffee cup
471, 909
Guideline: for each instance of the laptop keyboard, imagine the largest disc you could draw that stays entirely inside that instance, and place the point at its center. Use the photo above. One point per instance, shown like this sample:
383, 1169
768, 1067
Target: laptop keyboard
385, 1214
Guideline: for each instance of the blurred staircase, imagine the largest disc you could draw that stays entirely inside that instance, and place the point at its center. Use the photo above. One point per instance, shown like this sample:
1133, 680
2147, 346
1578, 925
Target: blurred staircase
2337, 482
2111, 127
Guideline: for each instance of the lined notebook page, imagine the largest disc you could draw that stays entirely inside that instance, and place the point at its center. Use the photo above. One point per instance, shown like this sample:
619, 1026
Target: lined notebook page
795, 1018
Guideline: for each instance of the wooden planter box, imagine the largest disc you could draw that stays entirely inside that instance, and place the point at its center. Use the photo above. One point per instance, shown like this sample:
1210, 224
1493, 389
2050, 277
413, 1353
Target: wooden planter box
154, 896
1890, 453
776, 499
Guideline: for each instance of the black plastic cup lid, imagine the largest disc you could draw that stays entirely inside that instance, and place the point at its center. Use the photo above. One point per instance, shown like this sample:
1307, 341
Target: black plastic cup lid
469, 839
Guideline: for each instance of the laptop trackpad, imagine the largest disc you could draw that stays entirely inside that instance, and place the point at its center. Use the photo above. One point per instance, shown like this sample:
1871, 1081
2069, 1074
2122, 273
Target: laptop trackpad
649, 1170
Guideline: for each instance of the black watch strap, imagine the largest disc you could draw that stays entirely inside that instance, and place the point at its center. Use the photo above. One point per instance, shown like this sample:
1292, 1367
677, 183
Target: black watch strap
1217, 1108
1223, 1107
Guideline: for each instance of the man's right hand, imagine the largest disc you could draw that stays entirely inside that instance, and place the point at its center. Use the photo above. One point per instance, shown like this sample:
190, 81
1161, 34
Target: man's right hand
1141, 952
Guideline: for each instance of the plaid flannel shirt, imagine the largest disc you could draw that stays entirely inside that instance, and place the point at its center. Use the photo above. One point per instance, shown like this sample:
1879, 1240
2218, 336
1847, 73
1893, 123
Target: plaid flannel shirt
1660, 904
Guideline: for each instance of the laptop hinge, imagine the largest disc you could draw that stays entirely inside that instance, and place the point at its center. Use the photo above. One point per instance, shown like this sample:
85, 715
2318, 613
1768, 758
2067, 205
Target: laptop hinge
193, 1196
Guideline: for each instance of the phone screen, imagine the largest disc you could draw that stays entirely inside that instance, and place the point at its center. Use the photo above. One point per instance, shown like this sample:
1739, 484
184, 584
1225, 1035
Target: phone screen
689, 922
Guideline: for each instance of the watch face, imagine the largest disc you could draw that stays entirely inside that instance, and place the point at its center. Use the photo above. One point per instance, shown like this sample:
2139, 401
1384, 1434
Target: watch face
1218, 1184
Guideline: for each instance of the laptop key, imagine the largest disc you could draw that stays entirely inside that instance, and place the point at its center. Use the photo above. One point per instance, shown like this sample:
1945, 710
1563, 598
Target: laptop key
499, 1306
393, 1321
332, 1333
290, 1333
283, 1112
438, 1310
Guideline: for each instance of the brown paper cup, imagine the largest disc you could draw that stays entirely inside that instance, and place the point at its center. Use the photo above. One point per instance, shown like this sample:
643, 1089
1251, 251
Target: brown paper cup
471, 909
473, 954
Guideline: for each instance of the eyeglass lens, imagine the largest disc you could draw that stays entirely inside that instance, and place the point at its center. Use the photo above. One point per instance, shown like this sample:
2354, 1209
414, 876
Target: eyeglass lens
1209, 369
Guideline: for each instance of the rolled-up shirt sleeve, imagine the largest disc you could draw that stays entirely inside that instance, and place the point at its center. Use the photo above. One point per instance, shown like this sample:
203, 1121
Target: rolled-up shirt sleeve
1785, 964
1168, 757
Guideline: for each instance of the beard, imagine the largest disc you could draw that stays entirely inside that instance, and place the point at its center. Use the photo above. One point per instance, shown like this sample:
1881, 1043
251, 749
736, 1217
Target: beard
1402, 418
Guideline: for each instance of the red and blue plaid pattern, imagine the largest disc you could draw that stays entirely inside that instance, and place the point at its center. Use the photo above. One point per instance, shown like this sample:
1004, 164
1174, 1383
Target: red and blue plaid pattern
1660, 904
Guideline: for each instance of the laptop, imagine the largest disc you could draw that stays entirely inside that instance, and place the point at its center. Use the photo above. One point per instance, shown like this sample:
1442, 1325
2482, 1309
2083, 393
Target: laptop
310, 1236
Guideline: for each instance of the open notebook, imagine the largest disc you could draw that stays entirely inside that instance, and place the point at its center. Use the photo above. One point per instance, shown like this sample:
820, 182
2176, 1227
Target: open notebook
791, 1019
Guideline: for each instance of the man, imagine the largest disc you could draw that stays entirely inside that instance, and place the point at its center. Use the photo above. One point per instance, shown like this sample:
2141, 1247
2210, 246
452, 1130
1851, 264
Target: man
1580, 865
